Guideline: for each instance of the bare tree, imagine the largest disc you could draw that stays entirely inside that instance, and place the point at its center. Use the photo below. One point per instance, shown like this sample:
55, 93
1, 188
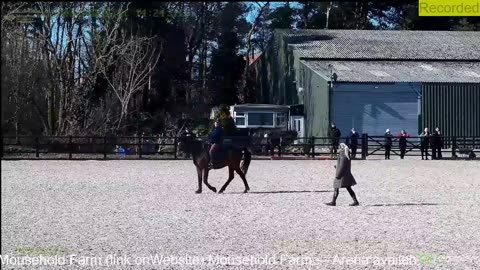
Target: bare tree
329, 8
132, 60
262, 8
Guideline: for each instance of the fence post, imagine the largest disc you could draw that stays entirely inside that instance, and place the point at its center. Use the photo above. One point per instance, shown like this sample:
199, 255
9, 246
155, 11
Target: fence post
175, 147
271, 148
364, 146
37, 150
454, 145
140, 139
280, 148
312, 142
70, 147
104, 147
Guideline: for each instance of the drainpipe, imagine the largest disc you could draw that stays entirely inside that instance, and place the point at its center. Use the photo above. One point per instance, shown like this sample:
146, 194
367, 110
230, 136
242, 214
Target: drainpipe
330, 87
419, 106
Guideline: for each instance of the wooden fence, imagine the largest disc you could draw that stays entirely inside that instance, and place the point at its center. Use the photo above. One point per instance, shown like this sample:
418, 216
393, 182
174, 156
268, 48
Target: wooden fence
145, 147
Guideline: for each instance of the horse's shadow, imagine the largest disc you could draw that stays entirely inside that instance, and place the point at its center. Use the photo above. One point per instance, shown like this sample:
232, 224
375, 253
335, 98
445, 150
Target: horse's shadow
402, 204
284, 191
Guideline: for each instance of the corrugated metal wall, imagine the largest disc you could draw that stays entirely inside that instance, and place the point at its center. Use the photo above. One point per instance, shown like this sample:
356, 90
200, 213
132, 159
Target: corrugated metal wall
373, 107
454, 108
316, 100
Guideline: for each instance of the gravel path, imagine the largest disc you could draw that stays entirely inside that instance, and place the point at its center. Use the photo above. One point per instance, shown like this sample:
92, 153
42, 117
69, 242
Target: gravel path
425, 213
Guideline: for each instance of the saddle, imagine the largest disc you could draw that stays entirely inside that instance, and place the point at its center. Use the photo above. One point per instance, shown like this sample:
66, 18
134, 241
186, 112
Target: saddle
220, 154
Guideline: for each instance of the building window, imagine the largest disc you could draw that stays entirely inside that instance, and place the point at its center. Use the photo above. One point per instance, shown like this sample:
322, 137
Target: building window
260, 119
281, 120
240, 119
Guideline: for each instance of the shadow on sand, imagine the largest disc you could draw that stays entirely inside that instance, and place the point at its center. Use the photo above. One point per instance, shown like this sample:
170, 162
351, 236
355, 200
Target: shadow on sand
403, 204
284, 191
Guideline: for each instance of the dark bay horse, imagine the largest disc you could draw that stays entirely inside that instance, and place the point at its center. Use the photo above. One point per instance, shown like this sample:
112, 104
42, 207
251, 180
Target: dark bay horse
201, 159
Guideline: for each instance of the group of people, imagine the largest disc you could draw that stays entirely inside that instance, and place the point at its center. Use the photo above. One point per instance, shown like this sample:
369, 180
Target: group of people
351, 141
434, 141
428, 140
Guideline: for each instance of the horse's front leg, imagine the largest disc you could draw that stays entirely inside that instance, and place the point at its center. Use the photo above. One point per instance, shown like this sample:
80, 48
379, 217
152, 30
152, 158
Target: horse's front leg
205, 180
199, 174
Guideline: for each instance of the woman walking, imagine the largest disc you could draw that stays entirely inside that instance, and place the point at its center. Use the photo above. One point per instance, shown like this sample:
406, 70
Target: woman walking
343, 176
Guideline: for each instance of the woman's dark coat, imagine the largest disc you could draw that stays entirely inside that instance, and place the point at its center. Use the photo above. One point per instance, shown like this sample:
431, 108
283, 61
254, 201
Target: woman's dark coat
334, 134
425, 139
388, 138
402, 142
436, 140
343, 175
353, 139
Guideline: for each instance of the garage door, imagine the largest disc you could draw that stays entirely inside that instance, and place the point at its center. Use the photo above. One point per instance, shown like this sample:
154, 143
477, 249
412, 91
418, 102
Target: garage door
374, 108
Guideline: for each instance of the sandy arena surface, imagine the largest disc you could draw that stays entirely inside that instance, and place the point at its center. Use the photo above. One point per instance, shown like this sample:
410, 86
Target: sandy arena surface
412, 212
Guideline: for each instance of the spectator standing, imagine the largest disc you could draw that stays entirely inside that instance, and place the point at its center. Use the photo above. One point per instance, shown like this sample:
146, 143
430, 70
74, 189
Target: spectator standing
425, 142
388, 143
353, 142
437, 144
402, 143
334, 135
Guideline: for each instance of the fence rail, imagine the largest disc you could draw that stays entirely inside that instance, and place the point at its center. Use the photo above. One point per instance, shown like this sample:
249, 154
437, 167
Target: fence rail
150, 147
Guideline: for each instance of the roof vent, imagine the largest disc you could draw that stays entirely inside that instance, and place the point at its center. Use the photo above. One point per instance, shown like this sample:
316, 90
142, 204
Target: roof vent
379, 73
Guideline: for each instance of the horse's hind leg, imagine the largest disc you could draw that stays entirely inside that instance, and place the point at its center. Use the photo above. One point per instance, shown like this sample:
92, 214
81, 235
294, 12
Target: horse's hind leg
199, 173
230, 178
205, 180
242, 175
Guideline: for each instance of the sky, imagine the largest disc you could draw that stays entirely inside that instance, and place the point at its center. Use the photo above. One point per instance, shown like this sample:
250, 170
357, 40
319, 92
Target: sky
253, 13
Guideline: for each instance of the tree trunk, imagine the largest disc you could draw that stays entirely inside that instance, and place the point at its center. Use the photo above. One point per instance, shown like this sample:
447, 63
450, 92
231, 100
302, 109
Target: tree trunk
327, 23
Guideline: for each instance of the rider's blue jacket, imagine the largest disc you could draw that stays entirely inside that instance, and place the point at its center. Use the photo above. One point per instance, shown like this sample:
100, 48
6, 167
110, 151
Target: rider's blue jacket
216, 135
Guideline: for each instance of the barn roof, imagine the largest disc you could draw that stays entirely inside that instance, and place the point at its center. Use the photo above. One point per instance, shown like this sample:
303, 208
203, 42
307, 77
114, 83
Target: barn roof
395, 71
383, 44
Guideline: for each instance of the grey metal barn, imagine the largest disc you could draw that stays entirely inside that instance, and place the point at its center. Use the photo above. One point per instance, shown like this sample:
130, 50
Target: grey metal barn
374, 80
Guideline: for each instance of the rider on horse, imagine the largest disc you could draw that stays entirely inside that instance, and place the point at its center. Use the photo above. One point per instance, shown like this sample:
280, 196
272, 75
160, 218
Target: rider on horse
216, 138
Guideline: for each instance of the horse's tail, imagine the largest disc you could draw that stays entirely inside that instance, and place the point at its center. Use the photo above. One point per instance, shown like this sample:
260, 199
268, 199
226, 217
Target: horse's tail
247, 157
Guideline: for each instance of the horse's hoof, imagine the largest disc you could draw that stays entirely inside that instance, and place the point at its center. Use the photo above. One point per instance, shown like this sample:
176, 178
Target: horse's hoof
246, 191
221, 191
214, 190
198, 191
